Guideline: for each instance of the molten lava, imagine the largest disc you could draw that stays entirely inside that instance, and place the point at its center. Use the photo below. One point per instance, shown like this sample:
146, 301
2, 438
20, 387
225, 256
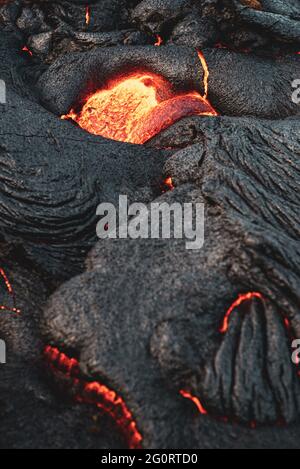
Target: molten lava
241, 299
224, 328
137, 107
87, 15
195, 400
168, 183
11, 292
159, 41
96, 394
206, 73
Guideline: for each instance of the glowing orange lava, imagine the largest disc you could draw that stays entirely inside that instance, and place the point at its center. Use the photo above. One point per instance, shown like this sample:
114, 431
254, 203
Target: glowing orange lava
137, 107
25, 49
159, 41
169, 184
96, 394
206, 73
87, 15
195, 400
241, 299
9, 288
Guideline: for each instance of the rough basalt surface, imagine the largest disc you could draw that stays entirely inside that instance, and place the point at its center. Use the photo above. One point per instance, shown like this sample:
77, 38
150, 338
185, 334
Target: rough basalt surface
144, 317
33, 414
234, 78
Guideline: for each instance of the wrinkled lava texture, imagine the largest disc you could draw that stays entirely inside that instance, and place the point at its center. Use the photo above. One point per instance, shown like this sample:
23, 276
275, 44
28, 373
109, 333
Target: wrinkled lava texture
141, 343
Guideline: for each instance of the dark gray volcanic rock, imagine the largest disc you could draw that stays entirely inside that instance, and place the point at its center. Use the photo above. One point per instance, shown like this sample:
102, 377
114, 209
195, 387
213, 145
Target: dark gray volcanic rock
195, 32
155, 15
245, 85
28, 405
239, 84
280, 19
52, 27
180, 65
72, 173
162, 280
174, 303
244, 238
145, 317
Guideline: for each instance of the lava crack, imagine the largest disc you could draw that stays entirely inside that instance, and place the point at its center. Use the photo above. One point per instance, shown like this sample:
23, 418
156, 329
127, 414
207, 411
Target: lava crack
251, 378
96, 394
10, 290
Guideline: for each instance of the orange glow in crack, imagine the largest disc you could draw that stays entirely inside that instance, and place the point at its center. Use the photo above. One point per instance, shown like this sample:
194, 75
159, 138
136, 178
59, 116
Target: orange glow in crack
159, 41
169, 184
206, 73
137, 107
225, 326
87, 15
96, 394
11, 292
195, 400
241, 299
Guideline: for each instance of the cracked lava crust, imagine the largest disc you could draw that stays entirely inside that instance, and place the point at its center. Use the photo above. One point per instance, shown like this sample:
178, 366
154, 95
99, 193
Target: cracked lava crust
141, 343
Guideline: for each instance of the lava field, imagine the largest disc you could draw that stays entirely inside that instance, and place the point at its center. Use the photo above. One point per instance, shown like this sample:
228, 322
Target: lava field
141, 343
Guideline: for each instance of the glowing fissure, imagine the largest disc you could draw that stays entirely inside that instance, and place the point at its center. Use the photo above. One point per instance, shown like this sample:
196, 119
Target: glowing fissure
195, 401
223, 329
137, 107
95, 393
168, 183
87, 15
10, 290
241, 299
206, 73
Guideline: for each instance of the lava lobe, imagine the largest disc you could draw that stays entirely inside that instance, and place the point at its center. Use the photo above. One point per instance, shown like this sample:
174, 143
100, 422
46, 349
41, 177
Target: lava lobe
96, 394
137, 107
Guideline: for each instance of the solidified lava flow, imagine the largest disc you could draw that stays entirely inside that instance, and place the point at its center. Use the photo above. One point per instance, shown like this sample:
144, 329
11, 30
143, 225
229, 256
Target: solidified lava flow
95, 393
246, 300
11, 292
223, 329
137, 107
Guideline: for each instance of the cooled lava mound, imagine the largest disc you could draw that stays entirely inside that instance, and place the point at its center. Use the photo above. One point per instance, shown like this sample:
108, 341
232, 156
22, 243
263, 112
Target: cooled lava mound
142, 343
